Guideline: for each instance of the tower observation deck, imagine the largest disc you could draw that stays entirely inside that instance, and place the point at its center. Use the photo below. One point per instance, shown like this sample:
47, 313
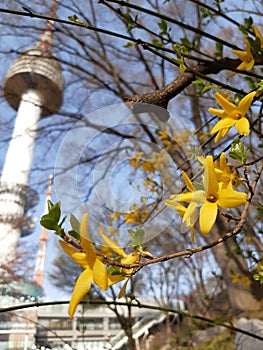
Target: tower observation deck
34, 87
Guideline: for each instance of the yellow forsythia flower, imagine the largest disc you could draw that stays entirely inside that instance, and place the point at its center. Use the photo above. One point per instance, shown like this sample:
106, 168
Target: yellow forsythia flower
231, 115
213, 196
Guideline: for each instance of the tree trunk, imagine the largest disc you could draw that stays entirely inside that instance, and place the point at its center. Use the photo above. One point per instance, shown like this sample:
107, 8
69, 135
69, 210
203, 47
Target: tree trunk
126, 325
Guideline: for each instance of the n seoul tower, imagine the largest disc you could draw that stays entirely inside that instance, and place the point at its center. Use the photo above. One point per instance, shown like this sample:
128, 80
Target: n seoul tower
34, 87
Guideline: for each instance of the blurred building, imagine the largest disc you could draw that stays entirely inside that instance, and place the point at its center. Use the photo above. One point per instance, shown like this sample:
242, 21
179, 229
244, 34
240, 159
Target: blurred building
94, 327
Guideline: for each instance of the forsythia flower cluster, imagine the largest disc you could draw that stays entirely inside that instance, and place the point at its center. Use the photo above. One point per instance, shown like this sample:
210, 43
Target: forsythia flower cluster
92, 261
218, 182
157, 162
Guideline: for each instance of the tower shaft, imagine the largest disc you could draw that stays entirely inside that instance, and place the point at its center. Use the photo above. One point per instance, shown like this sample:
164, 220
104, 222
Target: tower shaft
15, 195
20, 151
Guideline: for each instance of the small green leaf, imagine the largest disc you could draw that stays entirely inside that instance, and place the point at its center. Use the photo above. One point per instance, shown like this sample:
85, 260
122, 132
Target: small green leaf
115, 270
55, 212
157, 42
219, 50
249, 22
50, 205
75, 224
137, 237
163, 27
238, 151
129, 44
205, 13
129, 21
74, 18
75, 235
48, 223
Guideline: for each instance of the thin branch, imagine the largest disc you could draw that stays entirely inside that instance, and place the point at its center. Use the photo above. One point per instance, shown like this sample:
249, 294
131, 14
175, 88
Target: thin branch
172, 20
137, 305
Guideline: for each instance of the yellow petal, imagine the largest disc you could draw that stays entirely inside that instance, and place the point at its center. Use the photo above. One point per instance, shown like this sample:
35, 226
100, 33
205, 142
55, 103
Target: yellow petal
218, 112
221, 133
79, 257
81, 288
224, 103
190, 214
241, 54
210, 179
100, 275
113, 245
201, 160
208, 214
258, 35
222, 161
246, 102
247, 65
248, 47
228, 198
180, 208
130, 259
183, 197
199, 196
115, 279
188, 182
242, 126
225, 123
123, 289
85, 240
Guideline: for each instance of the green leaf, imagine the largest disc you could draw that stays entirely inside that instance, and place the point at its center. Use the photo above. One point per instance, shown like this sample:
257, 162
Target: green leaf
129, 21
260, 85
62, 221
115, 270
75, 224
50, 205
205, 13
137, 237
248, 22
157, 42
48, 223
74, 18
54, 212
247, 26
238, 151
219, 50
75, 235
163, 27
129, 44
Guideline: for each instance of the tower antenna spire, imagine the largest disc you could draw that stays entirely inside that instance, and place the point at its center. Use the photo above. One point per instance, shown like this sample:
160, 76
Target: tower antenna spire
46, 38
41, 253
